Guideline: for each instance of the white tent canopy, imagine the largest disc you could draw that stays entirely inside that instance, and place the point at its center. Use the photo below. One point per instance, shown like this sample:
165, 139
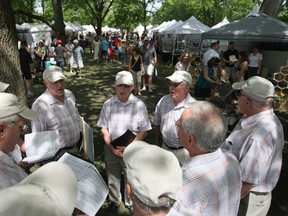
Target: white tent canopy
225, 21
171, 28
168, 24
258, 28
191, 26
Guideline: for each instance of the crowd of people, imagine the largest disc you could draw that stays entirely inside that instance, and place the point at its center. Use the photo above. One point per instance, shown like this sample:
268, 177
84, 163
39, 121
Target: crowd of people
192, 168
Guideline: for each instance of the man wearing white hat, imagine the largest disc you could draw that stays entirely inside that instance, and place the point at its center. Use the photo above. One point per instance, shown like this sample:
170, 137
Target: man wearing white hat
257, 142
50, 190
57, 110
121, 112
168, 111
13, 117
154, 178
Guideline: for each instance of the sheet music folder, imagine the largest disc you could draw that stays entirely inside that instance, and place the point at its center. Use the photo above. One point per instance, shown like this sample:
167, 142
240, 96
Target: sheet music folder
124, 140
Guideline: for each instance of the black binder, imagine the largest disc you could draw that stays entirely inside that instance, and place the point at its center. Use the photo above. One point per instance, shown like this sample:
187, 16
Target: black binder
124, 140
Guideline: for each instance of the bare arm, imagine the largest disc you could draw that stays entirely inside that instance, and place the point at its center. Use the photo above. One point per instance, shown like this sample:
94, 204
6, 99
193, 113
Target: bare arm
107, 139
243, 68
141, 135
246, 187
158, 135
130, 61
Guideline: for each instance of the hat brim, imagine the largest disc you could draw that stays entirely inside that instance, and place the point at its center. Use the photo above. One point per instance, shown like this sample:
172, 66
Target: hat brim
63, 183
238, 85
174, 79
28, 114
3, 86
56, 77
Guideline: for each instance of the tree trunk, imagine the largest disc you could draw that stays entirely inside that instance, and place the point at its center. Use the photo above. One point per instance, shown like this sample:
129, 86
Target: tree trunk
271, 7
58, 20
10, 71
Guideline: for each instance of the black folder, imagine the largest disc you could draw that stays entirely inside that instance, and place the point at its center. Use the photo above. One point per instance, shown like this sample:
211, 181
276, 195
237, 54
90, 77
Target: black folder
124, 140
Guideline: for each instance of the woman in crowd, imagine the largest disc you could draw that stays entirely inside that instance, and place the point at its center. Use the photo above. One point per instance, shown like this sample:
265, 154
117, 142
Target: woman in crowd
184, 63
255, 62
96, 48
41, 53
136, 67
69, 54
242, 66
207, 80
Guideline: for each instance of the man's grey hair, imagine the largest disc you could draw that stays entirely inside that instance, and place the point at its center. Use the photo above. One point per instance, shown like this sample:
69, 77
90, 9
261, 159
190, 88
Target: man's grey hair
155, 210
9, 119
207, 125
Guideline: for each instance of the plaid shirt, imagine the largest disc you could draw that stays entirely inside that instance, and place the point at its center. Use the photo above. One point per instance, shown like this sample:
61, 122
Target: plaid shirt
211, 185
10, 173
55, 115
166, 115
118, 117
257, 142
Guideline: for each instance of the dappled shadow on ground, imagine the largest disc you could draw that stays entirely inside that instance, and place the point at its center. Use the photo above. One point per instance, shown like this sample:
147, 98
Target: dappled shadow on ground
98, 86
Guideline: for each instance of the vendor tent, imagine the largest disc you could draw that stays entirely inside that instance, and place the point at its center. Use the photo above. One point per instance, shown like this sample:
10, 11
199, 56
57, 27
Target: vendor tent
188, 35
257, 28
222, 23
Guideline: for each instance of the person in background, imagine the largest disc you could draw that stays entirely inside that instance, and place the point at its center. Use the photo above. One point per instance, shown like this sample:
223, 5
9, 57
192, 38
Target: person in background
169, 109
255, 62
69, 46
41, 193
136, 68
13, 122
78, 53
257, 141
96, 48
41, 53
204, 88
154, 178
149, 56
230, 57
183, 63
121, 112
211, 176
60, 54
242, 66
57, 110
27, 67
104, 48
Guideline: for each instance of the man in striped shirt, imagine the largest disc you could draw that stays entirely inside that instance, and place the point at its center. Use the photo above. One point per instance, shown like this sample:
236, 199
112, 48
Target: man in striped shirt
257, 142
211, 177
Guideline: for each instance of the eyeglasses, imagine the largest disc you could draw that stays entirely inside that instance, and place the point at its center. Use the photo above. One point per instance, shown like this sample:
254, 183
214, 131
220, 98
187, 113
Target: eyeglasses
238, 94
175, 85
23, 127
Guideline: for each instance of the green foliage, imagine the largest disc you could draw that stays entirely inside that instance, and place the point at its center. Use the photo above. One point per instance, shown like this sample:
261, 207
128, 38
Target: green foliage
283, 15
210, 12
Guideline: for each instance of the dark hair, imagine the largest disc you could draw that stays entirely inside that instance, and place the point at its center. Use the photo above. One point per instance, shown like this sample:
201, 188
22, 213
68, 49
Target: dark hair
23, 43
136, 49
243, 55
213, 61
231, 42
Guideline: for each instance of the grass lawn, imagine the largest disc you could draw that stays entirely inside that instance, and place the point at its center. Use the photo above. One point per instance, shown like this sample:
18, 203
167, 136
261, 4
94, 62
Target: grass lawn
97, 87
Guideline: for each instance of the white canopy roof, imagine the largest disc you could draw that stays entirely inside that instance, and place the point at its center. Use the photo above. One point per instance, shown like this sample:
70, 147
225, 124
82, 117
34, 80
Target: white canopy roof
171, 29
222, 23
168, 25
191, 26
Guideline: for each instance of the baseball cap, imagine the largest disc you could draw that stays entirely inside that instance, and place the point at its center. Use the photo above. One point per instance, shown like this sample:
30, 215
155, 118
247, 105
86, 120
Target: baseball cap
59, 41
180, 76
152, 172
10, 105
50, 190
256, 87
124, 77
3, 86
53, 73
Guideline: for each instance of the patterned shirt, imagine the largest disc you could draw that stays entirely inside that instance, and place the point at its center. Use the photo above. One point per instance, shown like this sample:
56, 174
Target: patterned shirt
117, 117
257, 143
211, 185
166, 115
10, 173
57, 115
148, 53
